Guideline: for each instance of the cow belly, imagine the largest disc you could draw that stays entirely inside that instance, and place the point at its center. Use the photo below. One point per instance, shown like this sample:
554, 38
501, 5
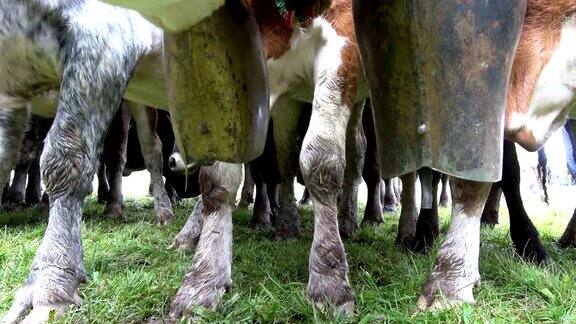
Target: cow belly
172, 15
555, 90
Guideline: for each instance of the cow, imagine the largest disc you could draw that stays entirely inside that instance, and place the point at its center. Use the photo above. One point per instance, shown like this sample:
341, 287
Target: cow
26, 189
540, 89
123, 154
91, 55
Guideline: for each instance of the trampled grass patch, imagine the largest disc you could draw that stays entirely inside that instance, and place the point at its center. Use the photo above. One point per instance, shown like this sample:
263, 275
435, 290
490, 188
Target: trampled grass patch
132, 276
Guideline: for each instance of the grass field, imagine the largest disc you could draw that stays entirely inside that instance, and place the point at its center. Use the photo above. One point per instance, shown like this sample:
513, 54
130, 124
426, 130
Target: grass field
132, 276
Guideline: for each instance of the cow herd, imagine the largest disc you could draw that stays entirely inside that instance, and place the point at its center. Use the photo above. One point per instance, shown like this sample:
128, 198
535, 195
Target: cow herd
81, 82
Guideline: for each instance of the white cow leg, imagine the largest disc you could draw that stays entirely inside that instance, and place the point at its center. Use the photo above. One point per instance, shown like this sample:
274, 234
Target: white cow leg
152, 152
456, 270
211, 272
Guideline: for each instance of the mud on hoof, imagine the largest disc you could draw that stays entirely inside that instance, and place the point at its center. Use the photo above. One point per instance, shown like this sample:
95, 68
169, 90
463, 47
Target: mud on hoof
164, 216
113, 211
188, 237
199, 292
36, 303
370, 222
347, 228
329, 291
287, 233
390, 208
183, 243
446, 290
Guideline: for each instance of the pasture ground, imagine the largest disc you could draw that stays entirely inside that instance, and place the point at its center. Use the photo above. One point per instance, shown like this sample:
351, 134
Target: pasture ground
132, 276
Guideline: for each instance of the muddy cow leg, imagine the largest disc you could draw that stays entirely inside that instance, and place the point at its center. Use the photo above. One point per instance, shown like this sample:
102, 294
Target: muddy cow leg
189, 235
151, 146
371, 172
455, 272
261, 212
13, 122
68, 163
285, 118
210, 274
524, 234
492, 209
114, 158
427, 227
355, 153
322, 161
390, 203
409, 212
34, 185
568, 239
247, 196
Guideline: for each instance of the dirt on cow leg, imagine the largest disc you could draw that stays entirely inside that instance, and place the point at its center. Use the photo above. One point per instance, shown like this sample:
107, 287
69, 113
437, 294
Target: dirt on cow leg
568, 239
491, 211
408, 213
427, 226
114, 159
189, 235
322, 165
210, 275
355, 153
286, 115
247, 195
151, 146
261, 212
286, 216
15, 196
456, 272
444, 195
389, 199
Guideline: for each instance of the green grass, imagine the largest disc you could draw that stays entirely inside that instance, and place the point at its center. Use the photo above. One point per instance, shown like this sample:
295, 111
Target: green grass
132, 276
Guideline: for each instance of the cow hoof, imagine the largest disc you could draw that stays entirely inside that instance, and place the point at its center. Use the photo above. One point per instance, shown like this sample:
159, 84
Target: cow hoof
371, 223
347, 230
199, 292
287, 234
34, 303
113, 211
260, 224
532, 250
448, 291
164, 216
390, 208
404, 240
245, 203
489, 218
421, 244
444, 201
14, 203
567, 242
304, 201
183, 246
330, 291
